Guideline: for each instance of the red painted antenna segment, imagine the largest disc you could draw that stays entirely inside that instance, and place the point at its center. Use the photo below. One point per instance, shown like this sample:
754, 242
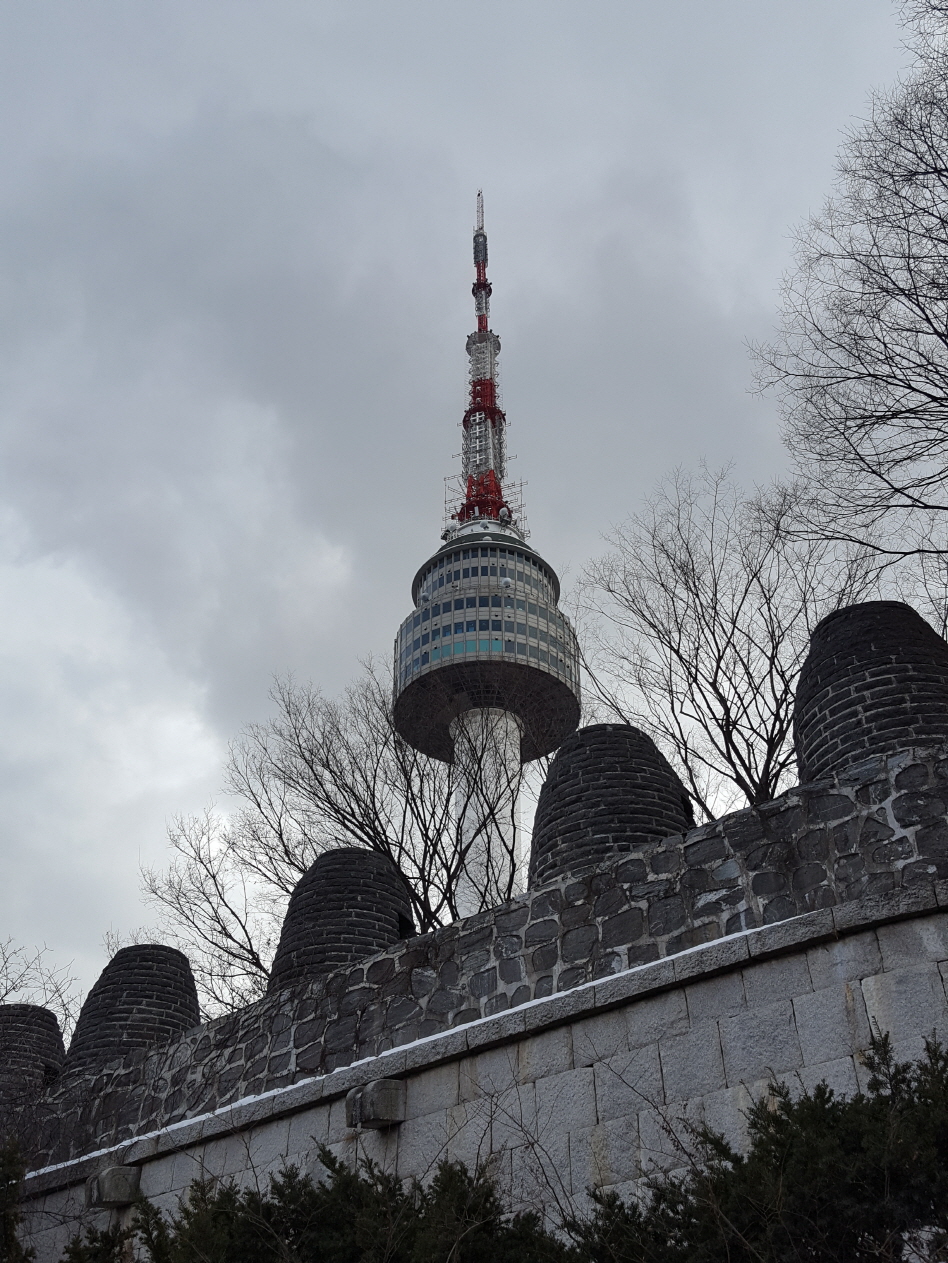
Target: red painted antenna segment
483, 457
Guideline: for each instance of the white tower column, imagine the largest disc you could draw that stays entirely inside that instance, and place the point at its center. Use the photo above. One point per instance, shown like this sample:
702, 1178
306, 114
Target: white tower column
488, 774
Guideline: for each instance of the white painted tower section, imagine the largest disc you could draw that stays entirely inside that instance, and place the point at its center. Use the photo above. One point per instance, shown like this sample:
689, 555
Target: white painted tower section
489, 772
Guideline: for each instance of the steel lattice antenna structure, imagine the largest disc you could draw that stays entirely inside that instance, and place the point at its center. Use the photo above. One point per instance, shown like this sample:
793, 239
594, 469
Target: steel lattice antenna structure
486, 666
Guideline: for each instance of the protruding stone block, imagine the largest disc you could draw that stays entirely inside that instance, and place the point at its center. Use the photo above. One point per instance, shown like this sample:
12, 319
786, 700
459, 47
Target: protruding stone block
378, 1104
115, 1186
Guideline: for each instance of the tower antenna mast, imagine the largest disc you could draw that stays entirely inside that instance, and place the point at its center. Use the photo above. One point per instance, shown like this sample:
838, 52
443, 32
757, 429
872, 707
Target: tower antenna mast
484, 444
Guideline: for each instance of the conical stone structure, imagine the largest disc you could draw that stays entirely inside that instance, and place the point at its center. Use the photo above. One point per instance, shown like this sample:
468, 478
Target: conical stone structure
609, 791
144, 997
875, 681
350, 904
31, 1049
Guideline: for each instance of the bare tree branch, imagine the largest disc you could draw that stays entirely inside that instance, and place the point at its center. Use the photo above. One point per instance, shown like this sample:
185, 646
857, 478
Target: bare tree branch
705, 603
860, 366
324, 773
212, 910
27, 976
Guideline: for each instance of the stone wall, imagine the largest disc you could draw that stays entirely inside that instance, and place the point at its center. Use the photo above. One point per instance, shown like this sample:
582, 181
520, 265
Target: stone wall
882, 829
586, 1087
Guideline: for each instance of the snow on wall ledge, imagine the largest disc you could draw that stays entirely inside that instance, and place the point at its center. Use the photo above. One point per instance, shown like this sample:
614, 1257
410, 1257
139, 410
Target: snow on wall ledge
881, 829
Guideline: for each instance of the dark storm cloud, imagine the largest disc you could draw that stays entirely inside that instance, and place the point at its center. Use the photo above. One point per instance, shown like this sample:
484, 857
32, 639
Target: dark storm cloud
234, 291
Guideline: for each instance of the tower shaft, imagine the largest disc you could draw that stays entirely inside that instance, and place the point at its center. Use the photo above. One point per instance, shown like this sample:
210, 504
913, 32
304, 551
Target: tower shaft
486, 797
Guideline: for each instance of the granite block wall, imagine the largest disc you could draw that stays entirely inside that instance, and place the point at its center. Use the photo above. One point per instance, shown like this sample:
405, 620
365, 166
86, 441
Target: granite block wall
588, 1087
879, 830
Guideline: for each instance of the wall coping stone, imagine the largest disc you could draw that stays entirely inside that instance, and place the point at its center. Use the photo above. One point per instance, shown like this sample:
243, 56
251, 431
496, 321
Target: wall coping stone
706, 960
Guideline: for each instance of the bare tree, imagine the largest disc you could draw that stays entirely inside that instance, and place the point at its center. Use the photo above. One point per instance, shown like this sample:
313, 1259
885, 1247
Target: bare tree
702, 612
225, 919
324, 773
28, 976
860, 365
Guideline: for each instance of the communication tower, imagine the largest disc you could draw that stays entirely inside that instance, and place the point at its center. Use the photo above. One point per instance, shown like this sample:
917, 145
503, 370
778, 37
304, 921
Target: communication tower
486, 665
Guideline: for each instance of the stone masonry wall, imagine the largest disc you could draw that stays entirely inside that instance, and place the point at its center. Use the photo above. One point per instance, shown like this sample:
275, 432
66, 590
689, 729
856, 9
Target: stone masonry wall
882, 829
585, 1087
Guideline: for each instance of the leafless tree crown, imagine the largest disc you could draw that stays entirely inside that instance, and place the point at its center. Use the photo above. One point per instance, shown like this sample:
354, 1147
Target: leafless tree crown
701, 614
860, 365
28, 976
321, 773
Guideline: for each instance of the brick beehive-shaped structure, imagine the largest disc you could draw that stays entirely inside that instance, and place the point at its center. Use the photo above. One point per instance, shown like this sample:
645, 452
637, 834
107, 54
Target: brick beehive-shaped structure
875, 681
31, 1048
144, 997
609, 791
350, 904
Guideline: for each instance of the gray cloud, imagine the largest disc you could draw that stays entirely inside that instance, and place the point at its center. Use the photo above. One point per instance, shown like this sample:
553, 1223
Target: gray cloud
234, 293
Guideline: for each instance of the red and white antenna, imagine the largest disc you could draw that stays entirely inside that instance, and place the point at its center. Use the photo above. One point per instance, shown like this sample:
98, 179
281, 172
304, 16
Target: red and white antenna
484, 448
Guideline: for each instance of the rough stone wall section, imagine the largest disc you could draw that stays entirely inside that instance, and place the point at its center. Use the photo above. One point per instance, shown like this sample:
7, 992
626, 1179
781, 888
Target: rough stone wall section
874, 681
609, 791
883, 829
587, 1087
144, 997
350, 904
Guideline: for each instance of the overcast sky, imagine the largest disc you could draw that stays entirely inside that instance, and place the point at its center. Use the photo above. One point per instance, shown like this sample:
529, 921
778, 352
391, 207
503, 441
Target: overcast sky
235, 270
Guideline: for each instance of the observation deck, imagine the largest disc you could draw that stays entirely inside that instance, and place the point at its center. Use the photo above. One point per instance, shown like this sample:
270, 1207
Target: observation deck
486, 632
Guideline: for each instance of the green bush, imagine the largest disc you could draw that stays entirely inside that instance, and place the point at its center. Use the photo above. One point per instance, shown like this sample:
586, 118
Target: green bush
364, 1217
826, 1178
11, 1175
